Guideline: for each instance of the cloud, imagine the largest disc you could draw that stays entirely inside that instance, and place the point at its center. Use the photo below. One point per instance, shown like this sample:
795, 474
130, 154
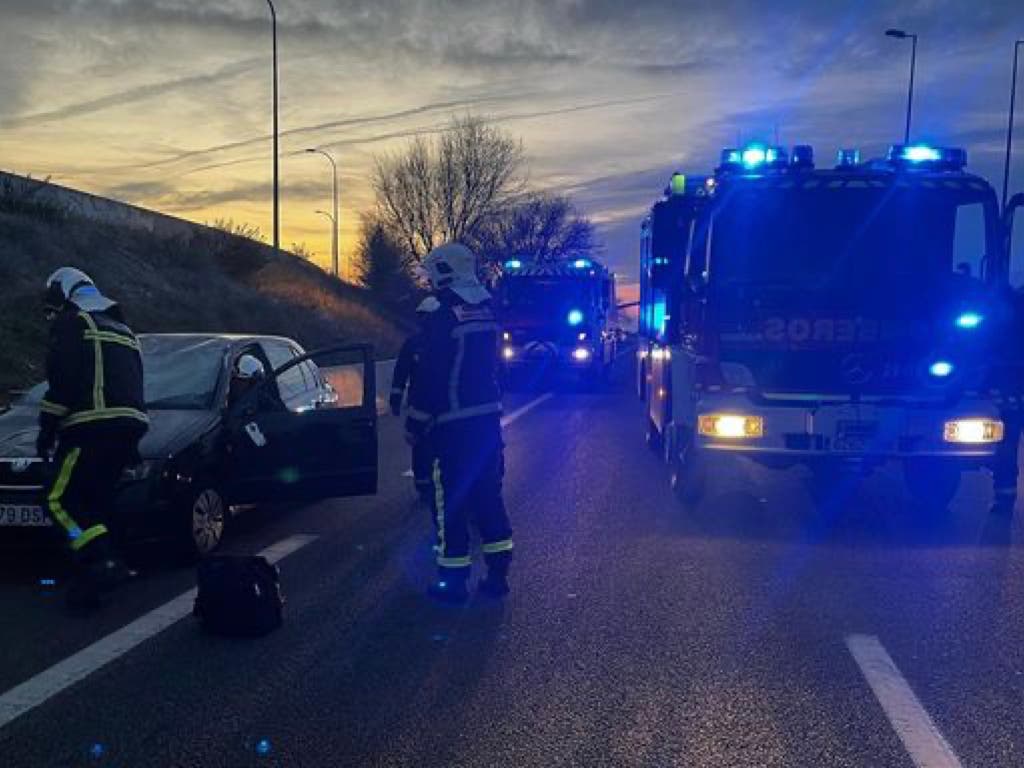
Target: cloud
132, 95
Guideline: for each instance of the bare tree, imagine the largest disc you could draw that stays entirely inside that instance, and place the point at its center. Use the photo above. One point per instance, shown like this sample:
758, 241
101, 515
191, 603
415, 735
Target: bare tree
449, 188
541, 226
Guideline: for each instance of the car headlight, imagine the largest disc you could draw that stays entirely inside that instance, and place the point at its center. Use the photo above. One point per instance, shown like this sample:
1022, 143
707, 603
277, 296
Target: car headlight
581, 354
731, 426
139, 472
973, 431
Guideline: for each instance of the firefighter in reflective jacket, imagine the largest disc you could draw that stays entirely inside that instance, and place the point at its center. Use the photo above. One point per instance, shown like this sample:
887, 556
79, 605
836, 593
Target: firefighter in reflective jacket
456, 401
405, 372
94, 413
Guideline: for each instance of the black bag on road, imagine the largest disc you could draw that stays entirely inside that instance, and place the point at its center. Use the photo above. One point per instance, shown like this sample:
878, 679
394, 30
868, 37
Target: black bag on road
238, 596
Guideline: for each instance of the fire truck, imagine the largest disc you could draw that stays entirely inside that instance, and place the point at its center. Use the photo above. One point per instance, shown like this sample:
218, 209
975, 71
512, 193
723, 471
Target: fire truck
839, 318
557, 317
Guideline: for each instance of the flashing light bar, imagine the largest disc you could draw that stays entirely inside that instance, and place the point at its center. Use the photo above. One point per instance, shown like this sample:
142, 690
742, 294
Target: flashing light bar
583, 264
941, 369
926, 155
803, 156
575, 317
969, 320
753, 156
847, 158
513, 264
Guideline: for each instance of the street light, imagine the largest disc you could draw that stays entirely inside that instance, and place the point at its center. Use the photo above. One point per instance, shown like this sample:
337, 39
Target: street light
334, 225
277, 185
1009, 128
334, 231
899, 34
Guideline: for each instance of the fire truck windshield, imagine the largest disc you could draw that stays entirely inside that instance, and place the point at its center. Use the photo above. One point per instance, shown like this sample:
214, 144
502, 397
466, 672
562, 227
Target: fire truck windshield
545, 293
820, 237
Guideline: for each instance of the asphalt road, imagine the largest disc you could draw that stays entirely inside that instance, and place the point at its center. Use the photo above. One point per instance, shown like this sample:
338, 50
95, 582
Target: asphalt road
637, 634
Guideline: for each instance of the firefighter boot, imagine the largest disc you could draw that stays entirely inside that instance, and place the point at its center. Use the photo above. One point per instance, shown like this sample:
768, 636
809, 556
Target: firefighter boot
495, 583
450, 586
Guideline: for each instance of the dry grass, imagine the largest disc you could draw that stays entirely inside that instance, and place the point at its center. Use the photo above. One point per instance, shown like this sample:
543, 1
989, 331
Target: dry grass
210, 283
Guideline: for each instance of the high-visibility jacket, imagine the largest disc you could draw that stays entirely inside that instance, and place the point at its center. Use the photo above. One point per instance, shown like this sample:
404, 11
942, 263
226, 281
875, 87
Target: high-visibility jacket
457, 374
94, 372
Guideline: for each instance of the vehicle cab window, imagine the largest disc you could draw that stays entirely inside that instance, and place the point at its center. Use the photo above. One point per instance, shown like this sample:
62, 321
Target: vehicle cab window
299, 384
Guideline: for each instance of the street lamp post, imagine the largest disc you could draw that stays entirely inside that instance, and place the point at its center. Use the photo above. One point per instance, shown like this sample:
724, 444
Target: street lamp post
277, 180
330, 218
1009, 127
899, 34
334, 230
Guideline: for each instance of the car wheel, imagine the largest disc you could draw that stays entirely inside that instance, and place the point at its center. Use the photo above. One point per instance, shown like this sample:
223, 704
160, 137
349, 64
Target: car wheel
933, 484
206, 519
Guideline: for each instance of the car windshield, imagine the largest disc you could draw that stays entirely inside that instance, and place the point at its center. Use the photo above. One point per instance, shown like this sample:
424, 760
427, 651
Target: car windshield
809, 238
181, 373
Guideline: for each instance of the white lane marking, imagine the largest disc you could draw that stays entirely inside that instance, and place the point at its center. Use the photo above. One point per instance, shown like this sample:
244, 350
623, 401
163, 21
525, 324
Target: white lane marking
62, 675
519, 412
927, 747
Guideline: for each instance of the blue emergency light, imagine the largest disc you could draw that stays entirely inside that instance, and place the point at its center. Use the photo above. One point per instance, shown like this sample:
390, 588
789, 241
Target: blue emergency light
753, 157
583, 264
848, 158
940, 369
575, 317
513, 264
927, 156
969, 320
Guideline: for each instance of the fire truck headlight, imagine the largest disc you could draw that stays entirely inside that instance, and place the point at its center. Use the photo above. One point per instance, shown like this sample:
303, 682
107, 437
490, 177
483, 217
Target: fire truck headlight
973, 431
506, 336
575, 317
508, 353
940, 369
581, 354
731, 426
969, 320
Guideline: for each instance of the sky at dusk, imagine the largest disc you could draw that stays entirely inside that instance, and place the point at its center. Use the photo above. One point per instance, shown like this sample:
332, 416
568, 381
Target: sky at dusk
166, 103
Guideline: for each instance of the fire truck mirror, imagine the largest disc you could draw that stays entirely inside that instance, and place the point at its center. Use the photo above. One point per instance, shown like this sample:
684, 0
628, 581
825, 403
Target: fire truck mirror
1015, 239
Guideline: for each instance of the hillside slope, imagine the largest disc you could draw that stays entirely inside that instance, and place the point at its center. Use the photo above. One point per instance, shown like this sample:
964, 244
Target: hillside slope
207, 281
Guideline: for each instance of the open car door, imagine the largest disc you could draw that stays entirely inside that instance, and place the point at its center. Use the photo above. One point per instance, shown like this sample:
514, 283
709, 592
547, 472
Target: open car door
310, 431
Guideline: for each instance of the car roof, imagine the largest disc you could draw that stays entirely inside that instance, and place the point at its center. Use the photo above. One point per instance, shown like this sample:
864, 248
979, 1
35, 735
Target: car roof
232, 339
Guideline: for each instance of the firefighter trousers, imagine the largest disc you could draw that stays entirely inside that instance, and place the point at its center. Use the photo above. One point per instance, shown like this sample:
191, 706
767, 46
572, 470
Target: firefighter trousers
1006, 466
80, 494
423, 467
467, 475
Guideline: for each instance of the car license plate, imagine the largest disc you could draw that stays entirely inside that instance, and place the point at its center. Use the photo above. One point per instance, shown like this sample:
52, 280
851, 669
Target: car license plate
27, 515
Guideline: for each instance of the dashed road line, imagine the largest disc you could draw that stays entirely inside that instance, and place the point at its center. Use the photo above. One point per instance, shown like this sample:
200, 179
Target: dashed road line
64, 674
927, 747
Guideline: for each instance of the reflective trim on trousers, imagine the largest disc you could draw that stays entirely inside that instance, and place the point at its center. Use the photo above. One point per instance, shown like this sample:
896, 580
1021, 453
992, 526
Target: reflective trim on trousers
54, 409
494, 547
454, 562
467, 413
88, 535
102, 414
439, 508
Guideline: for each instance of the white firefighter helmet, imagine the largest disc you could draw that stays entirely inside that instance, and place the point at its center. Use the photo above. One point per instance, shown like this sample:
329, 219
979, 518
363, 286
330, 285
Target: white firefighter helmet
72, 285
453, 266
428, 305
249, 367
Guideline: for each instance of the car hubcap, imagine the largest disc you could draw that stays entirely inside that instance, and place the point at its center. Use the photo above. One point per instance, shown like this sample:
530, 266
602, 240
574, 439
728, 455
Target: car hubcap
207, 521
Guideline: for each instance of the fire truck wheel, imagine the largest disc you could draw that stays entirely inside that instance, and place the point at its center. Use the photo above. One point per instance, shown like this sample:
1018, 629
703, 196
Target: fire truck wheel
653, 437
689, 477
932, 483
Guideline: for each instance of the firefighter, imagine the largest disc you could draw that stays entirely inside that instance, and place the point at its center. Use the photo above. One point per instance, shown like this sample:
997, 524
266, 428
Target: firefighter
455, 402
405, 371
94, 414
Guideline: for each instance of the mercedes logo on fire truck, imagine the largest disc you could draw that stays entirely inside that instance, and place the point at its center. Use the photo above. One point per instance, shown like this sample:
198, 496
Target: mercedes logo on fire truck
855, 369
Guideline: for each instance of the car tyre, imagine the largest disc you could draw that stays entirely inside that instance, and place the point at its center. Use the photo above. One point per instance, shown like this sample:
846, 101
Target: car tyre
205, 520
